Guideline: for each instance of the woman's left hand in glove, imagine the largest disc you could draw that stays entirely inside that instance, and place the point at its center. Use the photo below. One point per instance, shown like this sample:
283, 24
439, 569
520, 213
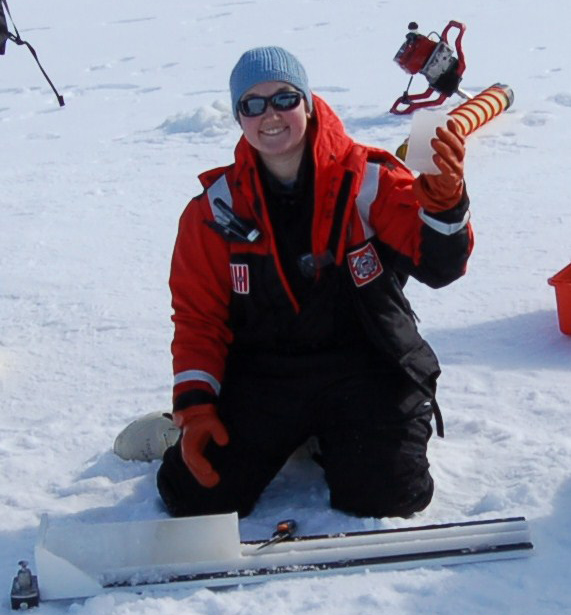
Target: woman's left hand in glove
438, 193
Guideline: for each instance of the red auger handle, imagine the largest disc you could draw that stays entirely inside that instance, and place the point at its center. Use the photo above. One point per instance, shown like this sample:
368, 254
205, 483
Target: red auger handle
458, 43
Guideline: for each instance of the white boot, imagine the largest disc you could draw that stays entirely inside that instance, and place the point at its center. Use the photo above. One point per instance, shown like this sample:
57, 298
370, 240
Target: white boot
146, 438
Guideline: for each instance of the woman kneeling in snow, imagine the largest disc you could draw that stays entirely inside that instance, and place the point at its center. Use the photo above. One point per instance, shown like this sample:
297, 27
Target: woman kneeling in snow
290, 318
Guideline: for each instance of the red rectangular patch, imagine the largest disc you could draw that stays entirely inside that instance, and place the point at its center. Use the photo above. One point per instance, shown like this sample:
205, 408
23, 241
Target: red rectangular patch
240, 278
364, 264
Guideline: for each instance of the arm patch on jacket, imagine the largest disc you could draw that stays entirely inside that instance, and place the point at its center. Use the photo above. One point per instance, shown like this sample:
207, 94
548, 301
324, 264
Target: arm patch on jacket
240, 278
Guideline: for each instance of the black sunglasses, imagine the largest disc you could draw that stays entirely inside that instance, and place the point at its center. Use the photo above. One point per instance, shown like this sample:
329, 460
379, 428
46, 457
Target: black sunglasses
280, 101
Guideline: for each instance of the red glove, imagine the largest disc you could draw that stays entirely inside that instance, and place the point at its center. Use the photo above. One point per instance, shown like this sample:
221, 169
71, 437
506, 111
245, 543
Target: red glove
199, 424
440, 192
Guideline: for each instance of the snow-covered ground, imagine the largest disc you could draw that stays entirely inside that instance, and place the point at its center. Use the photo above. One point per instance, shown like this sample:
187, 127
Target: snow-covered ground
90, 197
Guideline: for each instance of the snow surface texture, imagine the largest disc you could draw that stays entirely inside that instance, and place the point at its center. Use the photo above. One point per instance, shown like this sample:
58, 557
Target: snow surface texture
90, 199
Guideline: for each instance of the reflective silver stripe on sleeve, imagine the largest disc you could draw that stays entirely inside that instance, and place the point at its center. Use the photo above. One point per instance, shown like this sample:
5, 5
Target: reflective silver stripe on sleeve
219, 190
367, 195
443, 227
196, 374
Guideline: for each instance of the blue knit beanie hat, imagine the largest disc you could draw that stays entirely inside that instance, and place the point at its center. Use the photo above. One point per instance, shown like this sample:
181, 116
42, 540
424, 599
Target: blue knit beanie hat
267, 64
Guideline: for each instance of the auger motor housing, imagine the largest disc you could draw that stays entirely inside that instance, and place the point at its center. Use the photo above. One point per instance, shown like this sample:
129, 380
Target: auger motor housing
434, 59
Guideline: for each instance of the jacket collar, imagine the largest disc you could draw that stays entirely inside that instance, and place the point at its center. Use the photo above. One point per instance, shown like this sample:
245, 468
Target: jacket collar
327, 137
329, 142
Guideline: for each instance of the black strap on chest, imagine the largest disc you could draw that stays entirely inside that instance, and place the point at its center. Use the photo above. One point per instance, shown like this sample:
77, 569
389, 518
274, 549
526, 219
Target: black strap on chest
339, 213
309, 263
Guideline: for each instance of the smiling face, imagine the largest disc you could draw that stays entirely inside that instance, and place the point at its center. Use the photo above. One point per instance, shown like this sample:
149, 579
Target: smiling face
279, 136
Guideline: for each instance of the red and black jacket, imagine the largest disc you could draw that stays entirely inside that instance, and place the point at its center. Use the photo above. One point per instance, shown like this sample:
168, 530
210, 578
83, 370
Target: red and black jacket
231, 295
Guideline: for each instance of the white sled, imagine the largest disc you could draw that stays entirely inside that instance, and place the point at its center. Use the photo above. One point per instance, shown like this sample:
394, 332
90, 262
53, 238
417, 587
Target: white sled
90, 559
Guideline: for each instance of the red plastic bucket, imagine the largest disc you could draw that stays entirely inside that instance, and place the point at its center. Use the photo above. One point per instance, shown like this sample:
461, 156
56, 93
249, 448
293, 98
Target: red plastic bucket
562, 283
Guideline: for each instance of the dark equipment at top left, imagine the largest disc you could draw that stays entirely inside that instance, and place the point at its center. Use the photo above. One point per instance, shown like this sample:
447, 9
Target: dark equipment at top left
6, 35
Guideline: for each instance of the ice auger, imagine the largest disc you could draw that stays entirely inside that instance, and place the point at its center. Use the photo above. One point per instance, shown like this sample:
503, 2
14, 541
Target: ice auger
443, 66
435, 59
